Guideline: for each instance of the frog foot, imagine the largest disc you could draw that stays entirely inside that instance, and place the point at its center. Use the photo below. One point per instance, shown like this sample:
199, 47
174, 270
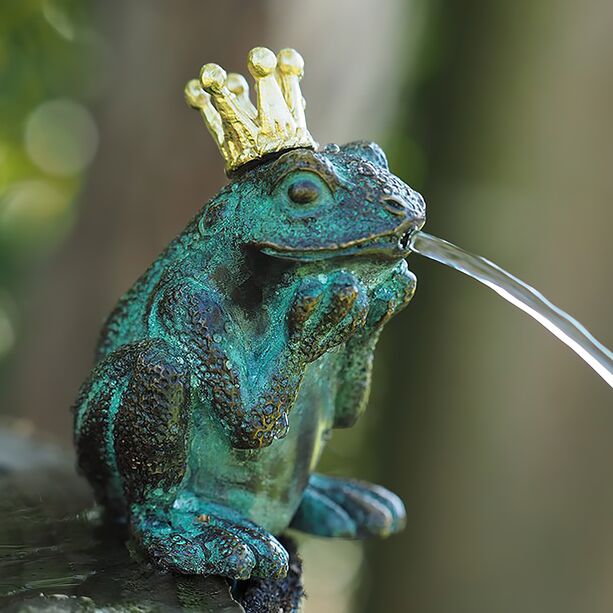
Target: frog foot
348, 508
214, 540
389, 298
326, 311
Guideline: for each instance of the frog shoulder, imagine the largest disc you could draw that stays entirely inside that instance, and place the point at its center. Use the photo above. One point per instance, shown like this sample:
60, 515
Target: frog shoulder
175, 300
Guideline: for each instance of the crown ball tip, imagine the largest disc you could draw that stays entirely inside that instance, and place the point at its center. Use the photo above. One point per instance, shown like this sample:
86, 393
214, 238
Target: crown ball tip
194, 94
237, 83
290, 62
193, 87
213, 77
261, 62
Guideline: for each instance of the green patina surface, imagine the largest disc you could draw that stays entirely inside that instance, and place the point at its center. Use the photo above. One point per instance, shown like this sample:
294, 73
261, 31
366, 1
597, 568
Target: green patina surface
222, 372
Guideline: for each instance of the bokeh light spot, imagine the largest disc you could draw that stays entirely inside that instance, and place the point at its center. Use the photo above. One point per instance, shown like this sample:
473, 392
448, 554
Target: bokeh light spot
32, 202
61, 137
58, 19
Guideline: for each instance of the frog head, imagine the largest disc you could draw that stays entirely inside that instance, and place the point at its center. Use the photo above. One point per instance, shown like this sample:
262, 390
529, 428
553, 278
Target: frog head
287, 198
310, 205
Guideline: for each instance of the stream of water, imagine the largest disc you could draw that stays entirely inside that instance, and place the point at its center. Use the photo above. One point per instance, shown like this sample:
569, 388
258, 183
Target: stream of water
521, 295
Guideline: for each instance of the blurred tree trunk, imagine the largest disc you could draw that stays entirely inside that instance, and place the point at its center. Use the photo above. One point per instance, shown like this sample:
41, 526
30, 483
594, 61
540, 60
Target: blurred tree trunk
501, 439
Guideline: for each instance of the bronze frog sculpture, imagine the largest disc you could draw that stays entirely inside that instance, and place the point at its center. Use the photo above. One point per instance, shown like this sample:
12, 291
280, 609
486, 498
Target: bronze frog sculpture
221, 373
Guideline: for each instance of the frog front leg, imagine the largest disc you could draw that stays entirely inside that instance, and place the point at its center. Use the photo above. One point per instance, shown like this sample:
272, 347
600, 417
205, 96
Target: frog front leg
351, 508
253, 398
389, 298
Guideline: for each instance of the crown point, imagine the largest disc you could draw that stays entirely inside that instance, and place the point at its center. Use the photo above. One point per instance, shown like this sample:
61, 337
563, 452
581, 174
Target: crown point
261, 62
213, 78
289, 61
238, 85
242, 131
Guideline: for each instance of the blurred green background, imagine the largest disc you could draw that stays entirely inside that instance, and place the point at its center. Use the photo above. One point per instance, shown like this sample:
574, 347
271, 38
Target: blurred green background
495, 435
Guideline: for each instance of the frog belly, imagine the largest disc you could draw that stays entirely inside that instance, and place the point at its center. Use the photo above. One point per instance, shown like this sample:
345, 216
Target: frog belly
266, 485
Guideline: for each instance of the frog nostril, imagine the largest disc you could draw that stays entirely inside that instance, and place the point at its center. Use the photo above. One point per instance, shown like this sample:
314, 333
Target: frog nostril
395, 205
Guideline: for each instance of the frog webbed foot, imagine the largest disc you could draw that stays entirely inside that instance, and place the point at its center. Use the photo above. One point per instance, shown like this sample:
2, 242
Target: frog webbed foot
212, 540
349, 509
326, 311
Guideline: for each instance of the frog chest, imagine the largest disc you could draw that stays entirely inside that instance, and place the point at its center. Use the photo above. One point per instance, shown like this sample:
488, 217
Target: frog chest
266, 485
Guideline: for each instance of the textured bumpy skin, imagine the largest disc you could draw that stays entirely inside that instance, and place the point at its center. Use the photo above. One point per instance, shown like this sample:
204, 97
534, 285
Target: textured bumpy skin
221, 372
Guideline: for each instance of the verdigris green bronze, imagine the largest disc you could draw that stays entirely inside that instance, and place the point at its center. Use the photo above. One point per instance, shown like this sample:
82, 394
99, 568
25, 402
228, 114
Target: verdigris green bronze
222, 372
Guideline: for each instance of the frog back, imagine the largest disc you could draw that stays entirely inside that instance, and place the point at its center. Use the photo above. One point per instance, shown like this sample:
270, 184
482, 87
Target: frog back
127, 322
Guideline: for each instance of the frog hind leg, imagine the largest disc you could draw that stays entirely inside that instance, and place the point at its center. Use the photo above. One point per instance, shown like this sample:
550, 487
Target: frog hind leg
348, 508
132, 423
151, 437
179, 543
94, 409
201, 537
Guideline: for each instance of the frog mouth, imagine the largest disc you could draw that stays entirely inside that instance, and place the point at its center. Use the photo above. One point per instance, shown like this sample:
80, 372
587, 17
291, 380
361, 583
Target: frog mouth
393, 245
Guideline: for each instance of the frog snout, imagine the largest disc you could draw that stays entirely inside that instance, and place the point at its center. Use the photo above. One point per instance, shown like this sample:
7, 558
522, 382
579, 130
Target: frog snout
409, 216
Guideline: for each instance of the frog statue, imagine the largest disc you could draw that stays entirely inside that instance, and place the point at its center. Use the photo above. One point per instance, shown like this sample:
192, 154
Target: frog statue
221, 373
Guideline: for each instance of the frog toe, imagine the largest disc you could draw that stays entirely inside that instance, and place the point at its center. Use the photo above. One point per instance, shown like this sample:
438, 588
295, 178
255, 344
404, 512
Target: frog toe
271, 558
226, 554
321, 516
380, 497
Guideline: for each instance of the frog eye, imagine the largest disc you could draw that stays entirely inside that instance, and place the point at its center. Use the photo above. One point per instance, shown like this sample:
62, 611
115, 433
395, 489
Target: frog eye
304, 191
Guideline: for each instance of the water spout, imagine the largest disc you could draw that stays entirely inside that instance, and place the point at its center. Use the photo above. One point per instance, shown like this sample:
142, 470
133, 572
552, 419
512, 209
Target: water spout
524, 297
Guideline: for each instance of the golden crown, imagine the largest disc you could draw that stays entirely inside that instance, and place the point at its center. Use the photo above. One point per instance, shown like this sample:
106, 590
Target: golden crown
243, 132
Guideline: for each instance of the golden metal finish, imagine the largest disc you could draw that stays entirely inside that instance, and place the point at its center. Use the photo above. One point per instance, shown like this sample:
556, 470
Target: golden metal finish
243, 132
